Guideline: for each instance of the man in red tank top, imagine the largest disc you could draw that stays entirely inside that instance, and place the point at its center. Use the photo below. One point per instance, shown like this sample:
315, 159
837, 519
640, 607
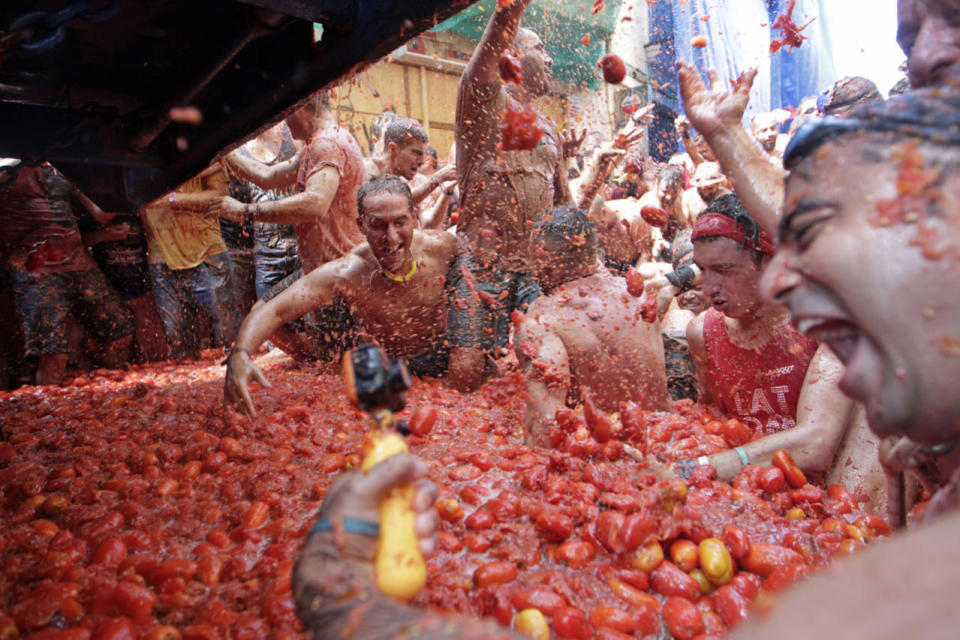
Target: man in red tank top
756, 366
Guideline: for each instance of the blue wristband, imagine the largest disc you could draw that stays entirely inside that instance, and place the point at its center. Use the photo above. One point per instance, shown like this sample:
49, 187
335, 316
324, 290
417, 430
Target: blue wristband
350, 525
744, 458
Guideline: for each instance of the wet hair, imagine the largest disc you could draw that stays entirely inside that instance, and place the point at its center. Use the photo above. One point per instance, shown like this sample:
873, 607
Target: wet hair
681, 249
403, 131
387, 183
729, 205
848, 93
671, 175
567, 222
930, 115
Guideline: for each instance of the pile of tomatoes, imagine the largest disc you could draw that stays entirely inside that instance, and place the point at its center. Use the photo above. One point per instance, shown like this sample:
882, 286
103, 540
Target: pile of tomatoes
135, 506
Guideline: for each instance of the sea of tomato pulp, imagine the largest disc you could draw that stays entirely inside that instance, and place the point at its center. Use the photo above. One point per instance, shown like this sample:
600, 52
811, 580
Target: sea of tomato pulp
135, 506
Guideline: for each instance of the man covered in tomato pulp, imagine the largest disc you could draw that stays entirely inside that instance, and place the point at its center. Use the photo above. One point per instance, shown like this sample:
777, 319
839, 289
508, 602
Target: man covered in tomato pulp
586, 330
391, 287
761, 371
501, 194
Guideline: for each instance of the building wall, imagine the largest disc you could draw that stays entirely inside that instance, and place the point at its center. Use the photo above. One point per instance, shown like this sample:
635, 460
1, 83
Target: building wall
413, 90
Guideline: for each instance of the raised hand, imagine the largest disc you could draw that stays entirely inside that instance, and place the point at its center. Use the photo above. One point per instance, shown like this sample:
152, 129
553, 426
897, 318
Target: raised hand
711, 107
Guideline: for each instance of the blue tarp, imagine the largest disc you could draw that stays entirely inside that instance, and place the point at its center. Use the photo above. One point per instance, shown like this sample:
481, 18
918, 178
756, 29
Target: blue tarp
738, 34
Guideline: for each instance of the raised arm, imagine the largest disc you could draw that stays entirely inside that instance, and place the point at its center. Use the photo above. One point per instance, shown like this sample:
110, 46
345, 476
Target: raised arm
302, 296
823, 416
484, 66
425, 187
718, 114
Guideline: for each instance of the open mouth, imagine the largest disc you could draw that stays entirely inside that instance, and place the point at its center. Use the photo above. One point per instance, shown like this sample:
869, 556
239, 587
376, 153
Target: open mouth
841, 336
393, 257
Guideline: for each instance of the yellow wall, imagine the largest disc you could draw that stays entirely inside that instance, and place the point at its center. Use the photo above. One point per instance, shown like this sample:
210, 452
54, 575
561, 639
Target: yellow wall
398, 85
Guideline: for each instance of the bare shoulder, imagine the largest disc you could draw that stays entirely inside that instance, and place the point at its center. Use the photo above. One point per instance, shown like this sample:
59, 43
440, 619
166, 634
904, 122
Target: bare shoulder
354, 267
438, 242
695, 331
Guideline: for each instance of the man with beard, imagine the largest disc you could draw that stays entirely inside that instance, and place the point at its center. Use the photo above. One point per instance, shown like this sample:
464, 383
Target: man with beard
708, 184
765, 129
501, 193
393, 285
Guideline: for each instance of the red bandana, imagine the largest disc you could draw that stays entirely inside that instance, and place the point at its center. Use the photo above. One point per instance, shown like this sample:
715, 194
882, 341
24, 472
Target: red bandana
711, 225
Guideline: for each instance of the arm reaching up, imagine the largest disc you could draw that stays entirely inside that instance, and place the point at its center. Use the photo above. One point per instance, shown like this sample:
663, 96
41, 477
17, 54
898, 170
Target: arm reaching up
718, 114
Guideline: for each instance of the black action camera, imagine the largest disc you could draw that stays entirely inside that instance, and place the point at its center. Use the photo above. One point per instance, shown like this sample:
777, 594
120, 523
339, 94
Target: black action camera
373, 380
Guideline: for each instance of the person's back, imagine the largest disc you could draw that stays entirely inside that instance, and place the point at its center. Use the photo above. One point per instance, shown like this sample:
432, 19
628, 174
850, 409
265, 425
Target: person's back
610, 348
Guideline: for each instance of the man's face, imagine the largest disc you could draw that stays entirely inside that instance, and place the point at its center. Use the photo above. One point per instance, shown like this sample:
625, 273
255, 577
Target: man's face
708, 193
731, 279
667, 192
765, 131
928, 31
388, 225
406, 160
808, 108
706, 151
536, 65
868, 292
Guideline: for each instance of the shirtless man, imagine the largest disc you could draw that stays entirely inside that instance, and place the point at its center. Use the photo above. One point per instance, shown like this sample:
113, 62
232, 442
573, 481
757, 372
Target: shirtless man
760, 370
625, 239
501, 193
765, 129
666, 195
393, 284
326, 173
585, 330
404, 152
708, 184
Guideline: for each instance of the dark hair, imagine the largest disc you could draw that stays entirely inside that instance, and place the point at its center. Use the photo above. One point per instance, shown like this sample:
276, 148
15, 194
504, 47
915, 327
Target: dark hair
729, 205
567, 222
404, 130
671, 174
387, 183
931, 114
432, 152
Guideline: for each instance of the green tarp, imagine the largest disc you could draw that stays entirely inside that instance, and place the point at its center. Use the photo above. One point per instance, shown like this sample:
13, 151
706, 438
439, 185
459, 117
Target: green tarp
562, 24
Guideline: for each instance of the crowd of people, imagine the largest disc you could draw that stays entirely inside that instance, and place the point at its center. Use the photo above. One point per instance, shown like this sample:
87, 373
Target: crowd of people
794, 272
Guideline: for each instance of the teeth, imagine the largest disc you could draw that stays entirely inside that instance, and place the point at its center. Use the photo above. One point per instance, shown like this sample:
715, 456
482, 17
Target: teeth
803, 326
826, 330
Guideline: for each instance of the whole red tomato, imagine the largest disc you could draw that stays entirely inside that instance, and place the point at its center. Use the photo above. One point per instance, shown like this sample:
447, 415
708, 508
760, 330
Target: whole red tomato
570, 622
682, 618
613, 69
635, 282
114, 629
422, 420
